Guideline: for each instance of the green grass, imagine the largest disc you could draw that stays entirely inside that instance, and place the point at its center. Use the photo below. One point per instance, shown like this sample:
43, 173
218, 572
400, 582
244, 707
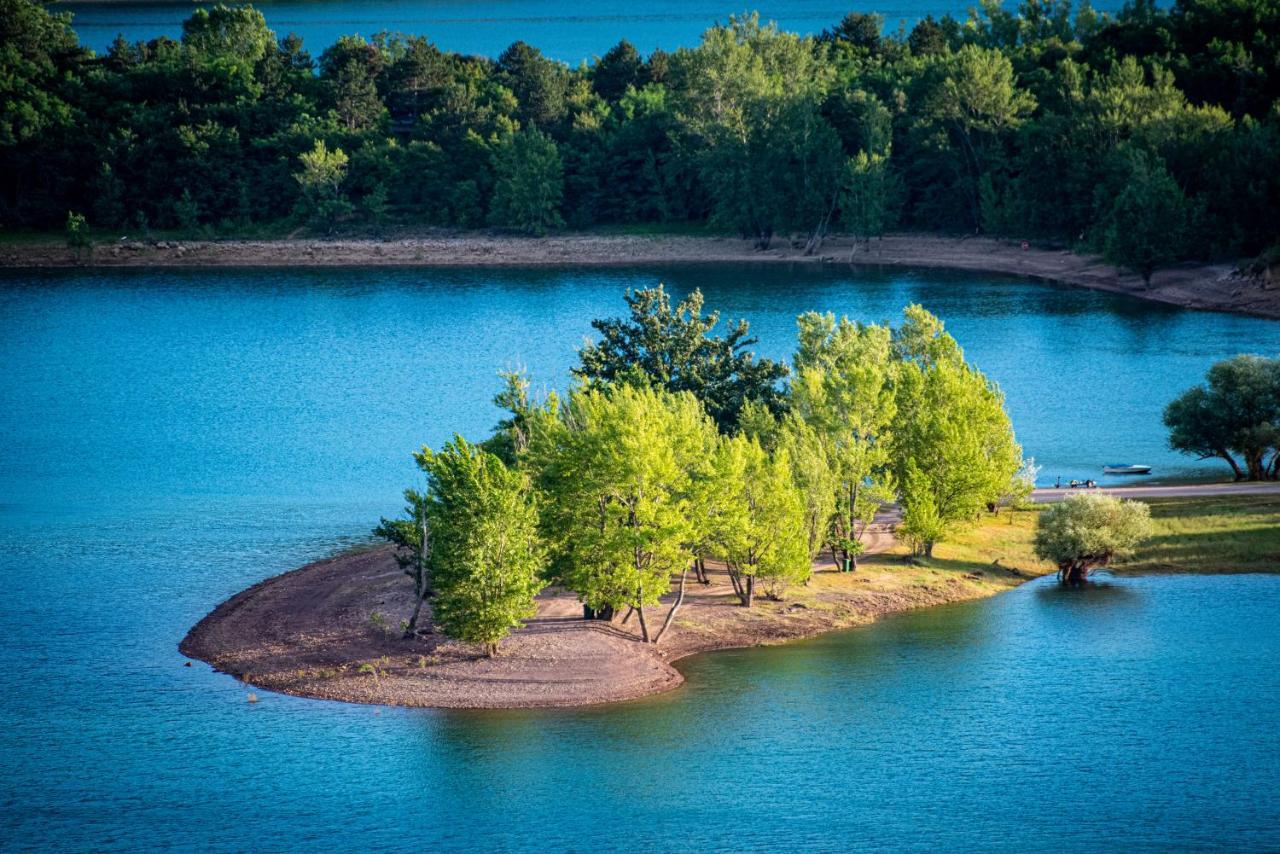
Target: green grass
1213, 534
1237, 533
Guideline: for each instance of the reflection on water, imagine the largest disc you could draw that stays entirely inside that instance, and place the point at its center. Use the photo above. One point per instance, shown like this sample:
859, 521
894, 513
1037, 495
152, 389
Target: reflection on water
170, 437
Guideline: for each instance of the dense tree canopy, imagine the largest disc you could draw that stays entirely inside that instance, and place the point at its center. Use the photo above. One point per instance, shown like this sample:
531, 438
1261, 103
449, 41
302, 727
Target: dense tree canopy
1234, 416
1086, 531
676, 349
1152, 135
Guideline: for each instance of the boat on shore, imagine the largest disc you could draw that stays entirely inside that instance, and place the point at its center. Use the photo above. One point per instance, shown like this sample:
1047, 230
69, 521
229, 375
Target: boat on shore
1125, 468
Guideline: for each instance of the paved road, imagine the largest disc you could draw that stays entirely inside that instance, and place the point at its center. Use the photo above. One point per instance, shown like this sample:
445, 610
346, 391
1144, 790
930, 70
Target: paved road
1050, 495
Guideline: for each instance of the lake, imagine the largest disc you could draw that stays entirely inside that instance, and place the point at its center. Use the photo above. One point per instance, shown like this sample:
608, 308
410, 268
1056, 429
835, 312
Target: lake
567, 32
170, 437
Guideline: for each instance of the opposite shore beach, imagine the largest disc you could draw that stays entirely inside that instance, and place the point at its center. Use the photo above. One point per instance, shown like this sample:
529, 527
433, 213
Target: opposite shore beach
1214, 287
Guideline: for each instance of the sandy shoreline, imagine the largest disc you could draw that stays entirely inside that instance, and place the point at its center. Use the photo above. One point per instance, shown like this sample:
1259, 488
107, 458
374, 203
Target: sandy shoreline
311, 633
1211, 287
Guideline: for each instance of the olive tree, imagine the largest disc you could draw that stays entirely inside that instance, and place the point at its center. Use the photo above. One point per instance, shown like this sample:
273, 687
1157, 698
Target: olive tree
1234, 416
1087, 531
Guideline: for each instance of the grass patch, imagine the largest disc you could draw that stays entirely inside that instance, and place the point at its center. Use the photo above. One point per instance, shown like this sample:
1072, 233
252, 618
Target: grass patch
1232, 533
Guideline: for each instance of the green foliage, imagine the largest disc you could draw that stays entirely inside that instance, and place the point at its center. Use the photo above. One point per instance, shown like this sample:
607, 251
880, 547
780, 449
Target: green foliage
1086, 531
676, 349
953, 448
761, 529
1234, 416
1024, 122
323, 204
528, 183
486, 558
1147, 223
77, 231
616, 471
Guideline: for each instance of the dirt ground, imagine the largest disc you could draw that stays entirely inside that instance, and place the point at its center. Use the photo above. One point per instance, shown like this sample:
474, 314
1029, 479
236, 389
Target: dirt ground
331, 630
1214, 287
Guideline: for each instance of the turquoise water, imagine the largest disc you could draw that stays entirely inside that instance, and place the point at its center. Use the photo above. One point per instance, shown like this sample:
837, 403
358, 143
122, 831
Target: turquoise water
568, 32
168, 438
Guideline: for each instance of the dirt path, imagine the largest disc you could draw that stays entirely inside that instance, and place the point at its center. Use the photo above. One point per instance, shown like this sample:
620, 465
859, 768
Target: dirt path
1049, 496
1213, 287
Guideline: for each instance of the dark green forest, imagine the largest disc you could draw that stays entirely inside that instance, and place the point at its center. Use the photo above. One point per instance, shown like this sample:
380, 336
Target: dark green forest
1152, 135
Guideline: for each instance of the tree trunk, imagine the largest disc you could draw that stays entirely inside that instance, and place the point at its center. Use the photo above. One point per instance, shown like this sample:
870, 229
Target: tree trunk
671, 615
751, 590
410, 629
491, 650
644, 627
1231, 461
702, 571
928, 548
1074, 573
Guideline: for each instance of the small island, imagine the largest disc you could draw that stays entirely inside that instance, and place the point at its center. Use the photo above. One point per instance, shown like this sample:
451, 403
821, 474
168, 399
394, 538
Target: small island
687, 496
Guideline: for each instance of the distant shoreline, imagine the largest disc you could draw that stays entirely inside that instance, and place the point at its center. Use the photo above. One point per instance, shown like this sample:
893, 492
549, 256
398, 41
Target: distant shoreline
1214, 287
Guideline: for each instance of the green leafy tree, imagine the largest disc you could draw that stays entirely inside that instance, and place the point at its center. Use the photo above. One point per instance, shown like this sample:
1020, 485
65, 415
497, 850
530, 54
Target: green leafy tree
617, 473
349, 72
411, 538
485, 557
619, 69
77, 232
953, 450
323, 203
1084, 532
1147, 222
528, 183
762, 533
843, 392
869, 198
675, 349
1234, 416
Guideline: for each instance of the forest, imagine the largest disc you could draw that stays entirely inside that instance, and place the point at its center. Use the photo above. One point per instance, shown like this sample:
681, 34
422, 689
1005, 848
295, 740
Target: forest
1152, 135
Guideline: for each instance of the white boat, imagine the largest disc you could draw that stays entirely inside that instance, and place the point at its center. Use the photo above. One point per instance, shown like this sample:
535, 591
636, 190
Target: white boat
1125, 468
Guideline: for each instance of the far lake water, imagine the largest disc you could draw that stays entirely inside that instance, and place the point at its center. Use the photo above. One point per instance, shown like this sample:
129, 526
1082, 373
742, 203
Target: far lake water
168, 438
570, 32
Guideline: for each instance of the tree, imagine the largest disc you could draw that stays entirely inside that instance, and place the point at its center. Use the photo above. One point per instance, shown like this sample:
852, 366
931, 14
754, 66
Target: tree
842, 391
869, 198
323, 171
528, 183
1088, 531
77, 233
539, 84
762, 534
770, 161
485, 557
953, 450
859, 29
1146, 224
412, 540
974, 98
349, 70
616, 472
1234, 417
675, 349
620, 68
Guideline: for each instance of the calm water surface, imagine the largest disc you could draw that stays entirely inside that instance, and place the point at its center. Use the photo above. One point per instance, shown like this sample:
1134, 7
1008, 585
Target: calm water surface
570, 32
168, 438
